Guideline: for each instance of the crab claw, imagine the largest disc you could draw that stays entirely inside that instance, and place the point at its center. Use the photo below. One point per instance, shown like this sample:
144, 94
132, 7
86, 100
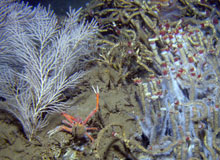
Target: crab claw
96, 90
53, 131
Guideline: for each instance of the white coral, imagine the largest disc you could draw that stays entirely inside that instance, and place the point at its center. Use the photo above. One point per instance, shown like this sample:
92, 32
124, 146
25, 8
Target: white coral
37, 57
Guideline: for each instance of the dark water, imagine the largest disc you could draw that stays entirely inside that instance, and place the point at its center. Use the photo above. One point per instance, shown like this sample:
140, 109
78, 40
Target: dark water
60, 7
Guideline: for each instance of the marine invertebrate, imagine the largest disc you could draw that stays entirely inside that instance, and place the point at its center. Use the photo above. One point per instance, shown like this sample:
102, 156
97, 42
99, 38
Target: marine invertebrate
186, 109
39, 61
122, 38
77, 127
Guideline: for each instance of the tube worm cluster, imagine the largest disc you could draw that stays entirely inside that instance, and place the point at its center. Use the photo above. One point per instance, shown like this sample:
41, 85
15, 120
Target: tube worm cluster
182, 104
180, 90
129, 29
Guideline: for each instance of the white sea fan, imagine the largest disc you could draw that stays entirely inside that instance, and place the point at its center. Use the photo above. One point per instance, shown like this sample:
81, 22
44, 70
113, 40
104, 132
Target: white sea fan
39, 59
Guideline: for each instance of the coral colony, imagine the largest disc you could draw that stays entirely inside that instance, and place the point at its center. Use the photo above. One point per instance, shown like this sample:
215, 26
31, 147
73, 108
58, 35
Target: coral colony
39, 60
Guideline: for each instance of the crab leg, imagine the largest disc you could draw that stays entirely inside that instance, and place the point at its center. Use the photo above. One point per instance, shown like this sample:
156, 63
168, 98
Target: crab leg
58, 129
65, 128
68, 123
97, 105
70, 118
90, 137
91, 128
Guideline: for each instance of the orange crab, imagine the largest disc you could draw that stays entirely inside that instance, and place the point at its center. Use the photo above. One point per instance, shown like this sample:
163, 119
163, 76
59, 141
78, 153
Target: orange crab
75, 125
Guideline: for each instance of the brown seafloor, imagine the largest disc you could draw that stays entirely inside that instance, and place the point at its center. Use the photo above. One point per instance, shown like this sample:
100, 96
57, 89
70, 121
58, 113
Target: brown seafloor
117, 110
